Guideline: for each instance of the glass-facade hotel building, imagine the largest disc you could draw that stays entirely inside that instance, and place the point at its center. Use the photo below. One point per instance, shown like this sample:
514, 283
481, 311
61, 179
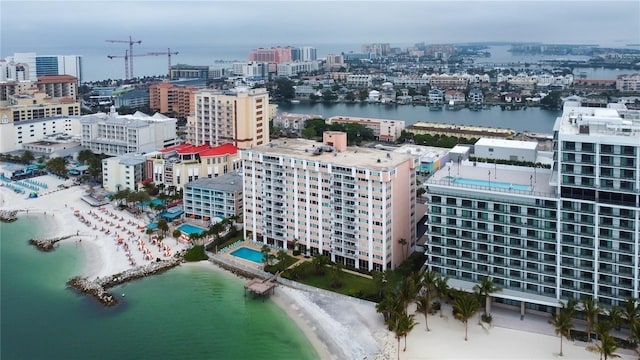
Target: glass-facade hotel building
545, 235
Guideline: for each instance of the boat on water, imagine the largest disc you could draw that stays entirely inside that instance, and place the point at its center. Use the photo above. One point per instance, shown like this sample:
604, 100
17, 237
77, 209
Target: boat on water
453, 106
435, 106
295, 101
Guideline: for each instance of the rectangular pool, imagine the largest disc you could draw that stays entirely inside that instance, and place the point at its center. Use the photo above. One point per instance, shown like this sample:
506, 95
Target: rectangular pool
248, 254
191, 229
493, 184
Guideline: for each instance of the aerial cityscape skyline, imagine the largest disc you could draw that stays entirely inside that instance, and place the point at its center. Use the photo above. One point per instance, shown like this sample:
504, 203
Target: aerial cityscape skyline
362, 164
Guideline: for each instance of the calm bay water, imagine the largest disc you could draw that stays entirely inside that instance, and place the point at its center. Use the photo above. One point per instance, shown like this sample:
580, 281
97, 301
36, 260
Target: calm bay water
530, 119
186, 313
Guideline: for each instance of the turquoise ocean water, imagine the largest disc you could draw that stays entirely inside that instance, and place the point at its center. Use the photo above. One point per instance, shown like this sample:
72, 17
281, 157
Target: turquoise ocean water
186, 313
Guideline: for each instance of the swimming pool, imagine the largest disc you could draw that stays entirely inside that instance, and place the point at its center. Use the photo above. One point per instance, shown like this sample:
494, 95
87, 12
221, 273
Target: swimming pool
493, 184
190, 229
248, 254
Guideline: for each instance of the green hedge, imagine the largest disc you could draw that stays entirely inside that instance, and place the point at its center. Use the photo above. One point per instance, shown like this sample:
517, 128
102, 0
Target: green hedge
510, 162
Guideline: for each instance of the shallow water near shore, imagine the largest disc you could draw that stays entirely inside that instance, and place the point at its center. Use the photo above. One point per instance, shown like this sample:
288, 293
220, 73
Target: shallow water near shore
186, 313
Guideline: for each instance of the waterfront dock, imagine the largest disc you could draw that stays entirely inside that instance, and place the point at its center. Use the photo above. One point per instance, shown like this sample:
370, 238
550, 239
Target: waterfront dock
98, 287
262, 287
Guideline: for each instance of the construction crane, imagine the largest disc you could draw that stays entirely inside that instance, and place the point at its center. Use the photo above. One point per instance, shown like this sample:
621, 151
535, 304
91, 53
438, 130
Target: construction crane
168, 53
127, 59
130, 42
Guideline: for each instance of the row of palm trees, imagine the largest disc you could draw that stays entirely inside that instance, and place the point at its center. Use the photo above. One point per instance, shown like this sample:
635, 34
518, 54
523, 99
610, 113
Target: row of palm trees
601, 322
423, 289
126, 197
214, 231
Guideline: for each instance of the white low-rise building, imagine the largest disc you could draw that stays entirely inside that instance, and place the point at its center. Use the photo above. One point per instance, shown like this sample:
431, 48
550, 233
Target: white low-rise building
123, 172
501, 149
14, 134
115, 134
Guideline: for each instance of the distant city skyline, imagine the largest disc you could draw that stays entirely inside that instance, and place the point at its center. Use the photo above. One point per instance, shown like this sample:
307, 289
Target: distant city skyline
202, 31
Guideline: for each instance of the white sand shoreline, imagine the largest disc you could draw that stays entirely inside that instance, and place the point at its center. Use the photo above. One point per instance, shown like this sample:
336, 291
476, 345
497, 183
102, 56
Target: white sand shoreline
337, 328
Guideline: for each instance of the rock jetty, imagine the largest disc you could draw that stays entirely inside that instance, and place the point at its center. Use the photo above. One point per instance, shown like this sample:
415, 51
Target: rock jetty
8, 215
47, 244
98, 287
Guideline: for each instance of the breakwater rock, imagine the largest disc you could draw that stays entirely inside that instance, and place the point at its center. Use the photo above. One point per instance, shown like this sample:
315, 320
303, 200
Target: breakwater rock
8, 215
98, 287
47, 244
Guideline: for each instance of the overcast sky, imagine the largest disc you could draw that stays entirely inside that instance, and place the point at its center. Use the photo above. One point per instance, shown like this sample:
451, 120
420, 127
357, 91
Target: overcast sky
29, 25
206, 30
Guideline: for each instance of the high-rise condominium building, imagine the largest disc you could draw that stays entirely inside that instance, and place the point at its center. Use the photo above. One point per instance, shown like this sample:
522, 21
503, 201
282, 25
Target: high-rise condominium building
42, 65
59, 65
274, 55
170, 98
239, 117
308, 53
352, 204
545, 235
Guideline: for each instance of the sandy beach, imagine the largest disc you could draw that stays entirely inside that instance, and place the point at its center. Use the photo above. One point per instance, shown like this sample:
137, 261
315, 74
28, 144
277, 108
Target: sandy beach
112, 240
338, 327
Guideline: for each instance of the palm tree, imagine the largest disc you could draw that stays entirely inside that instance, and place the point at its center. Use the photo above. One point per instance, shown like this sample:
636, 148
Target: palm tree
388, 306
149, 232
423, 306
281, 256
266, 254
606, 348
176, 234
408, 289
615, 316
631, 311
591, 312
561, 321
394, 325
464, 307
163, 226
318, 262
335, 275
380, 282
442, 289
634, 337
407, 323
484, 290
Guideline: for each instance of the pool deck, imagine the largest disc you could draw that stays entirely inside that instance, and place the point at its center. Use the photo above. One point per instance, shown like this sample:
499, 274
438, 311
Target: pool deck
538, 179
242, 261
190, 225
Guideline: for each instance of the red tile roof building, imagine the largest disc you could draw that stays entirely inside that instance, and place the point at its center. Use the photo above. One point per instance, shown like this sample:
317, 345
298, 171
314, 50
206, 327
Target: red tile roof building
180, 164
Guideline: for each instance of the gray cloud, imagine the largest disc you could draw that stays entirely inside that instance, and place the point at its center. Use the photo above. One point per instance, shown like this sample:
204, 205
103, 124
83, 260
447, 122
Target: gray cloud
207, 30
271, 22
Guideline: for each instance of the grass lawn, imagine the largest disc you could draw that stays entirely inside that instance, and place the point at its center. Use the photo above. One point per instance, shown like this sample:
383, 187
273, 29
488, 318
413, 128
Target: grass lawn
288, 261
352, 285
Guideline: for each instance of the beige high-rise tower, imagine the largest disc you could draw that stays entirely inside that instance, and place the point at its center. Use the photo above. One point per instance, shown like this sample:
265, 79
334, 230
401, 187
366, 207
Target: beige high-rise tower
239, 116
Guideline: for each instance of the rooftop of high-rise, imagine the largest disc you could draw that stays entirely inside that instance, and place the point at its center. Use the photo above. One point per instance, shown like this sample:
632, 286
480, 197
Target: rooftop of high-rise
478, 176
614, 120
315, 151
